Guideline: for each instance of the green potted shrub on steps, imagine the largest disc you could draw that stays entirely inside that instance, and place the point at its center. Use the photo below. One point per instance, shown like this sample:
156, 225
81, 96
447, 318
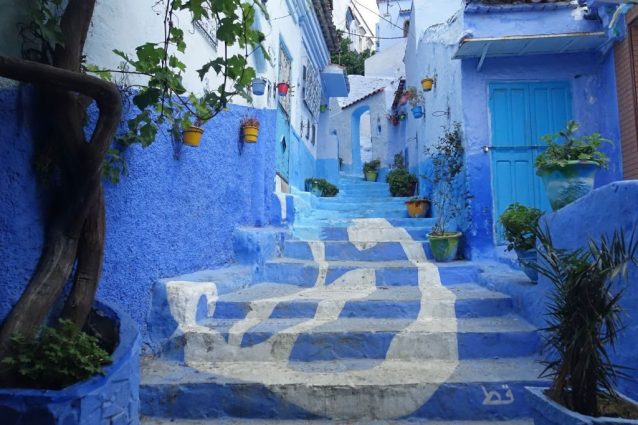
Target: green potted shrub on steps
519, 223
568, 169
401, 182
584, 319
371, 170
447, 165
321, 187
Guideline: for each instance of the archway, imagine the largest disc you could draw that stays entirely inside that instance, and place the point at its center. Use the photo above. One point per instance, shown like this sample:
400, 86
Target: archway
360, 129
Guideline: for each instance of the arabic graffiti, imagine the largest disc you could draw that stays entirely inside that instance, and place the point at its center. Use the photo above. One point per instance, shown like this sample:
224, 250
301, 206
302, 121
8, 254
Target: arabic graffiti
495, 398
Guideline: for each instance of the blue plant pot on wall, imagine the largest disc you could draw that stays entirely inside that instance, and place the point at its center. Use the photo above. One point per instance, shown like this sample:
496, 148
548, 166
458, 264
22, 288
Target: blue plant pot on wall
417, 112
259, 86
566, 184
547, 412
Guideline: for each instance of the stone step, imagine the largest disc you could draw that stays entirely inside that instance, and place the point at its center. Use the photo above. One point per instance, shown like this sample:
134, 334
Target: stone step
487, 389
146, 420
310, 340
291, 302
355, 214
386, 273
343, 250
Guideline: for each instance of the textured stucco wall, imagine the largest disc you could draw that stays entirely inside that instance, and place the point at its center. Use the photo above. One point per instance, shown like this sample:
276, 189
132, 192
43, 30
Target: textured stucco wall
593, 105
167, 217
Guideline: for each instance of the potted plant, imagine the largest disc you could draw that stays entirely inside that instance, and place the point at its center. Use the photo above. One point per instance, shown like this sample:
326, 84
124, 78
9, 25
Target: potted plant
250, 129
258, 86
323, 108
393, 118
418, 206
402, 116
519, 223
416, 100
282, 88
568, 169
401, 182
371, 170
583, 324
447, 165
427, 84
192, 135
321, 187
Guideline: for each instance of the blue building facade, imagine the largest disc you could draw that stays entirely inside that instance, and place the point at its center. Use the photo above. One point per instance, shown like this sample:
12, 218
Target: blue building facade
511, 73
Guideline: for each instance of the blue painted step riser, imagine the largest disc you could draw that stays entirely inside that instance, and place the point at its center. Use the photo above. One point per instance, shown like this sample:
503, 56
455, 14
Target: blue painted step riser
319, 214
377, 309
451, 401
365, 345
306, 275
384, 251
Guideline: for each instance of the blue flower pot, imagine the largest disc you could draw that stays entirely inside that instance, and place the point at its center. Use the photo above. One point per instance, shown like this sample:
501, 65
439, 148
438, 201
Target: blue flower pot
545, 411
259, 86
417, 112
566, 184
524, 258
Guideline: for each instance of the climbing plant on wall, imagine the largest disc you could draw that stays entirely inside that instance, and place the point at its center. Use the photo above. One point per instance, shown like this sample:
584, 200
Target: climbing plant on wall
53, 61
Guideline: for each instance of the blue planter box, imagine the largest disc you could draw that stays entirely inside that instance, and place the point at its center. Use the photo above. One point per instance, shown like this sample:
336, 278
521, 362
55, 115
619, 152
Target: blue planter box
547, 412
112, 398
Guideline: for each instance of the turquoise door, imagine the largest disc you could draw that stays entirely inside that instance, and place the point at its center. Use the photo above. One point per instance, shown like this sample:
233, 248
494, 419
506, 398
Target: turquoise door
521, 114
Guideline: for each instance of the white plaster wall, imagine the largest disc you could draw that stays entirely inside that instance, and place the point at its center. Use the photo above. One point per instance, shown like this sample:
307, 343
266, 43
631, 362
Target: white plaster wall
366, 13
365, 137
433, 38
390, 26
387, 63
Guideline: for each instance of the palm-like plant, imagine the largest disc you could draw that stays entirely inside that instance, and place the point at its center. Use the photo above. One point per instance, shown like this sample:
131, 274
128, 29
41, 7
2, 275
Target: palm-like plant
584, 317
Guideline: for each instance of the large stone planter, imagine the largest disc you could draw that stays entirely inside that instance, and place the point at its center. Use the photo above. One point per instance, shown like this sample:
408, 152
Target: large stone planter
110, 399
548, 412
566, 184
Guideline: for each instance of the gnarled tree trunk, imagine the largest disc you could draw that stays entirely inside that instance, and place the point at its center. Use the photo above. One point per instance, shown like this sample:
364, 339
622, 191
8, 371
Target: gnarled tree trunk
75, 220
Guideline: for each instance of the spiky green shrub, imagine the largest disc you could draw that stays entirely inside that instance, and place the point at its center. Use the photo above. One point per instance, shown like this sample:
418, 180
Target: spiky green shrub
584, 317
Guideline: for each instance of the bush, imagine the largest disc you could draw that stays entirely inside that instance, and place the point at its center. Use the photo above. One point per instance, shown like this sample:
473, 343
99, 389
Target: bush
57, 358
328, 190
401, 182
519, 223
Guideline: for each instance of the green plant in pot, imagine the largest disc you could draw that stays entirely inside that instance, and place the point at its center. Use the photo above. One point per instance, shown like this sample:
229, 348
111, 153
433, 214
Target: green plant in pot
371, 170
519, 223
401, 182
568, 169
584, 321
447, 156
321, 187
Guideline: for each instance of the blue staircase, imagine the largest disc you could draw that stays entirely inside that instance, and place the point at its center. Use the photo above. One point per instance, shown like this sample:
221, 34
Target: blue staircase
354, 325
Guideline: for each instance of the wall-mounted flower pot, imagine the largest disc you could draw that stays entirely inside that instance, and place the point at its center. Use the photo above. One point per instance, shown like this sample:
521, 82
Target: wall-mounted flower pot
402, 116
418, 208
192, 136
372, 176
524, 259
282, 89
251, 133
323, 108
404, 99
259, 86
417, 112
546, 411
427, 84
445, 247
564, 185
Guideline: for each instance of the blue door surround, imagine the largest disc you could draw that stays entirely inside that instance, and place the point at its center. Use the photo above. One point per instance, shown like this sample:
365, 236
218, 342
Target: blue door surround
521, 113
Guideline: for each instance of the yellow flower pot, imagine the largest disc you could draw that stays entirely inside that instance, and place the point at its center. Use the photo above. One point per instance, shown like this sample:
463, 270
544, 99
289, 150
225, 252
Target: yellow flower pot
192, 136
427, 84
250, 134
417, 209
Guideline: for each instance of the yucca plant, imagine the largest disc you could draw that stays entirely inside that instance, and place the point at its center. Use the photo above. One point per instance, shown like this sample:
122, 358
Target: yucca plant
584, 317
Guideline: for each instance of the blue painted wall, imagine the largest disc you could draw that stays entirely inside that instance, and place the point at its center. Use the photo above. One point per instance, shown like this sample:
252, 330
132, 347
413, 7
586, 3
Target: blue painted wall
592, 82
302, 161
167, 217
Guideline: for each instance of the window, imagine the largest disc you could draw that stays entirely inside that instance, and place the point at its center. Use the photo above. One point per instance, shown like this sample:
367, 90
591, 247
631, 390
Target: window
349, 18
208, 28
285, 71
406, 27
311, 91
